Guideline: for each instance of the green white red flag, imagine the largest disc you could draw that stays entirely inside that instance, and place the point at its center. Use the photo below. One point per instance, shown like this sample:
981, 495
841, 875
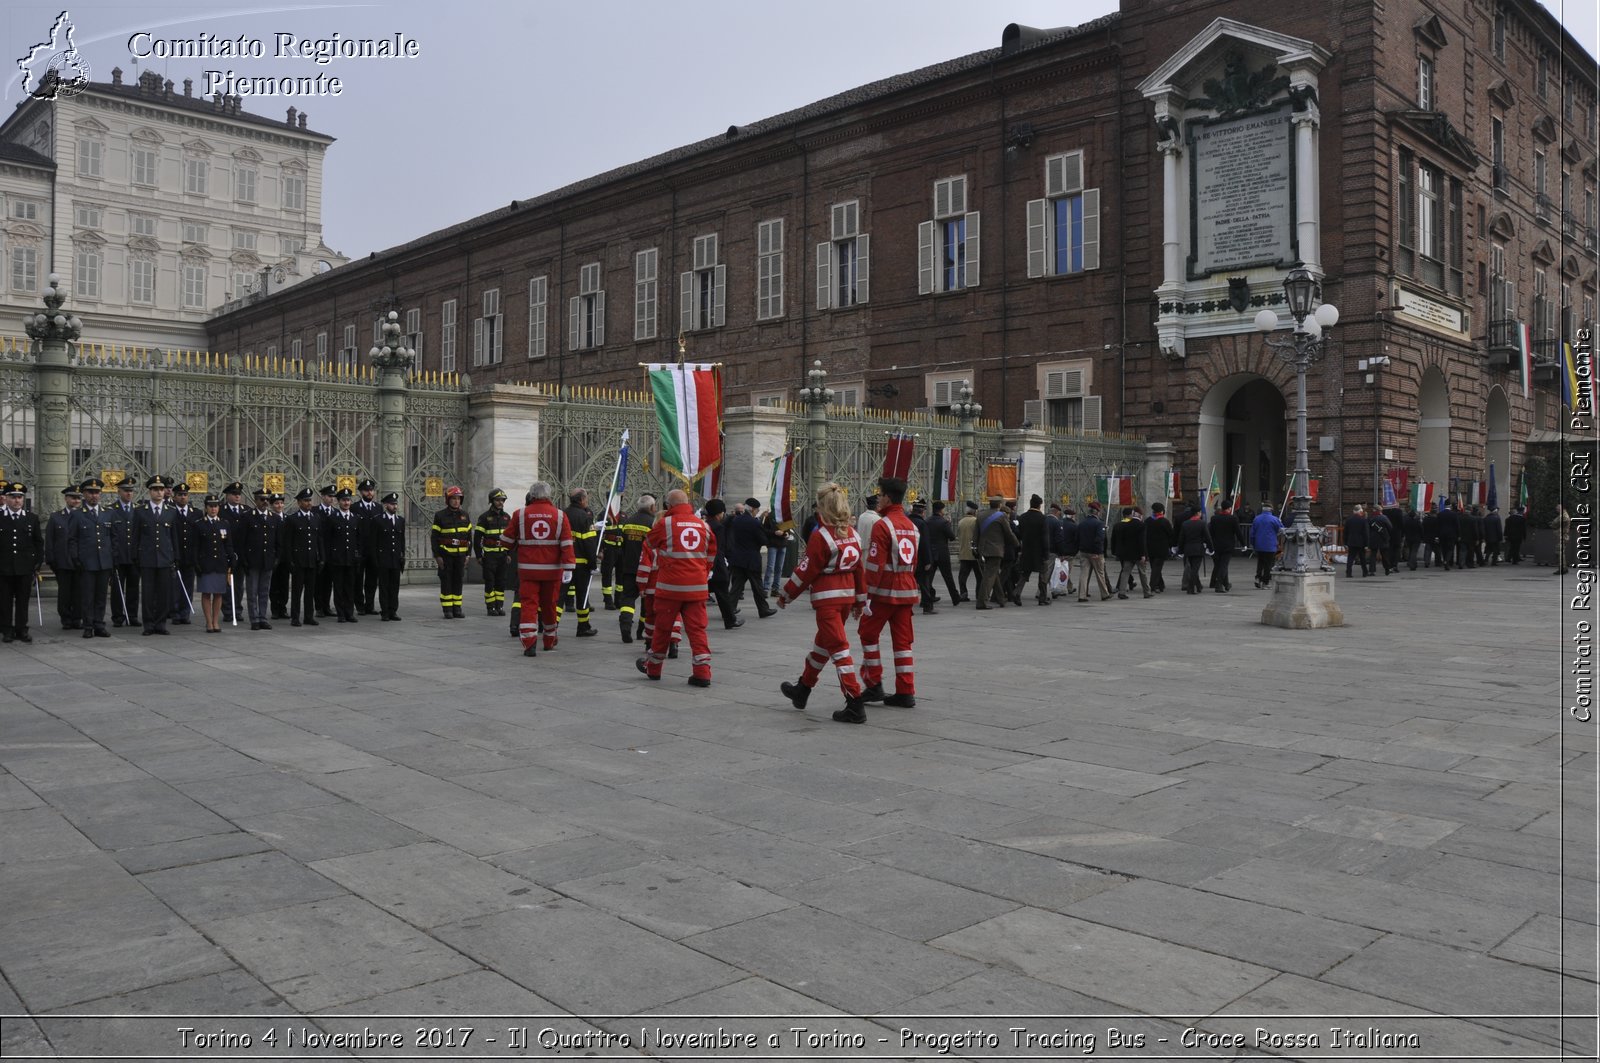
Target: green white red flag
947, 474
688, 402
1116, 490
780, 503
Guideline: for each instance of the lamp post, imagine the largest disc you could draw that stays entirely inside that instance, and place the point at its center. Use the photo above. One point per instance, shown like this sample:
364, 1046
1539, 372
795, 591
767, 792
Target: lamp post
53, 330
1302, 596
1370, 366
393, 360
817, 396
966, 411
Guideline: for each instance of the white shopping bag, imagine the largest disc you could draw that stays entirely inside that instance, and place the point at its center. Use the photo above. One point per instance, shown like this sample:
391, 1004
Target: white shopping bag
1061, 578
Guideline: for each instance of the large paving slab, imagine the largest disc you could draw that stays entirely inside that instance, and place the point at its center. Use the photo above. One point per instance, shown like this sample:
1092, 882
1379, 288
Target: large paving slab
1154, 807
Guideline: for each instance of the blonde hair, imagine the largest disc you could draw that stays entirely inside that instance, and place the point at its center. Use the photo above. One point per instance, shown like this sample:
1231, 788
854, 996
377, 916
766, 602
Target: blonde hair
832, 508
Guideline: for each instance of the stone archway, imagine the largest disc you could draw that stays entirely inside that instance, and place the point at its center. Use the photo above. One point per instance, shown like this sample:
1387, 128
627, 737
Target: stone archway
1433, 429
1243, 423
1498, 449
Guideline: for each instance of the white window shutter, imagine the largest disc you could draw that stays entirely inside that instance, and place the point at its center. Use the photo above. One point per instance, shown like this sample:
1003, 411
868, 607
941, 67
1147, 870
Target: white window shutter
1063, 174
824, 276
1091, 229
863, 267
942, 390
686, 302
1033, 410
719, 296
1055, 384
927, 275
599, 319
477, 341
958, 195
972, 243
941, 199
575, 323
1038, 237
1091, 413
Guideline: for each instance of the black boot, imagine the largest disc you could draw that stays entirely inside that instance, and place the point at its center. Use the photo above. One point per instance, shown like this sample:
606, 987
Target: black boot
586, 630
672, 651
797, 693
873, 693
531, 651
854, 711
900, 701
627, 628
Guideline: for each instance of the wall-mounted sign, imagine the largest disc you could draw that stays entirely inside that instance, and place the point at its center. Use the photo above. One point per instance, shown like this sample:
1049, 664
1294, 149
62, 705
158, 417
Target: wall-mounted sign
1241, 190
1428, 311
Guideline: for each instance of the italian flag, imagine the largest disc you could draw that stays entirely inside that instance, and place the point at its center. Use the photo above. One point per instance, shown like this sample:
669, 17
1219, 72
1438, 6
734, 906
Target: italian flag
1522, 490
1422, 496
689, 408
947, 474
1115, 490
780, 503
1172, 484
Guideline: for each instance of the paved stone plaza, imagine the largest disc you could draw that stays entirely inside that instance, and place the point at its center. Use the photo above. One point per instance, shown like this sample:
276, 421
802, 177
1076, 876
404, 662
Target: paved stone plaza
1095, 813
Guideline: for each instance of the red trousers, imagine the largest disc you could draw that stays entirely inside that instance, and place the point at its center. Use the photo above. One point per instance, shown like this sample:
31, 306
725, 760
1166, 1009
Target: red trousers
693, 614
898, 618
538, 598
832, 644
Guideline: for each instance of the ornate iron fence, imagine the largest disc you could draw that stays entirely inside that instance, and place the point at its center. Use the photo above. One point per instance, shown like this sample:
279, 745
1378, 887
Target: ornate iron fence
1073, 462
580, 433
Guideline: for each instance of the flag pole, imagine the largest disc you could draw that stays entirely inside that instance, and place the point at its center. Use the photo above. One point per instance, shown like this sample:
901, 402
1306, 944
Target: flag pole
611, 494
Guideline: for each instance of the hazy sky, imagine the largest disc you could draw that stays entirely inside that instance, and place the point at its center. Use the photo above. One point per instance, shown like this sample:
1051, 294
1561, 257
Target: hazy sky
509, 99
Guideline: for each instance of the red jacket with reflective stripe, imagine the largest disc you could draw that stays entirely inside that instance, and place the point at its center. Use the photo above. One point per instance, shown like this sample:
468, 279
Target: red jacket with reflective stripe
831, 567
542, 539
684, 550
892, 559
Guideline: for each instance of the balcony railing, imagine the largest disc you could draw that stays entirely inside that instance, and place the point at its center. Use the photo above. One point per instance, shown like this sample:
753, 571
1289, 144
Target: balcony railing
1546, 353
1543, 207
1503, 339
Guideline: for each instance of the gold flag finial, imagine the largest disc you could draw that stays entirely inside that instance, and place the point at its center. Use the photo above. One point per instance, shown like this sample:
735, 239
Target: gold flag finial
683, 347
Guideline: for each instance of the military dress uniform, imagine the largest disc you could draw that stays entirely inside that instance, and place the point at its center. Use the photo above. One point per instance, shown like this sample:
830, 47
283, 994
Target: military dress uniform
235, 514
57, 530
258, 557
586, 554
184, 584
366, 508
325, 509
89, 547
386, 550
300, 546
341, 554
492, 553
452, 540
155, 544
125, 577
21, 554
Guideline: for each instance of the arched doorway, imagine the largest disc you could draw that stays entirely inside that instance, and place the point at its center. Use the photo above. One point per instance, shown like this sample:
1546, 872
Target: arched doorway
1433, 429
1498, 450
1242, 425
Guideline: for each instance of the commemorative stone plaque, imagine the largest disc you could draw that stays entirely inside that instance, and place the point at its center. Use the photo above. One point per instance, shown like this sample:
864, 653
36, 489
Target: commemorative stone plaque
1242, 193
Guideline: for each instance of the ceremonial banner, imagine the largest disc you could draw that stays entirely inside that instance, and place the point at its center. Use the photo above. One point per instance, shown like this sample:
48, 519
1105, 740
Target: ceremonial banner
688, 402
1525, 357
1172, 484
1522, 490
947, 474
1569, 377
780, 503
1422, 495
1208, 500
1493, 498
897, 458
1115, 490
1389, 500
1001, 480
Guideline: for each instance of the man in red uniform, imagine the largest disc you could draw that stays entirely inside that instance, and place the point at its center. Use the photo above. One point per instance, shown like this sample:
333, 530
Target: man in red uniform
892, 593
684, 549
831, 568
541, 540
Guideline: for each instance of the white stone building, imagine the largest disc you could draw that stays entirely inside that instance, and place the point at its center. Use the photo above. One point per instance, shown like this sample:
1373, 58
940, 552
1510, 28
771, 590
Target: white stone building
155, 207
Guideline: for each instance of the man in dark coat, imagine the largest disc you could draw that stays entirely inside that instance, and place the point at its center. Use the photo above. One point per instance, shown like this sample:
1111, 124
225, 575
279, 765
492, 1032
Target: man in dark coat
125, 577
155, 544
258, 557
341, 552
1224, 529
1033, 555
745, 537
90, 549
1380, 540
1431, 556
993, 536
367, 508
925, 593
183, 573
1493, 535
21, 555
1355, 541
57, 555
716, 515
1411, 533
1467, 524
386, 550
938, 535
1159, 538
1092, 553
1193, 542
1128, 546
1065, 544
1449, 532
300, 545
1516, 532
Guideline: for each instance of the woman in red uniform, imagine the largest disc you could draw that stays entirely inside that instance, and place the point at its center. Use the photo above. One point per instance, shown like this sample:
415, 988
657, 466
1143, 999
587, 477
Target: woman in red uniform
831, 568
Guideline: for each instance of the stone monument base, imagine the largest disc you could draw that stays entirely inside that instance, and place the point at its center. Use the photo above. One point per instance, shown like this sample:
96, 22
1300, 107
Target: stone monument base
1302, 600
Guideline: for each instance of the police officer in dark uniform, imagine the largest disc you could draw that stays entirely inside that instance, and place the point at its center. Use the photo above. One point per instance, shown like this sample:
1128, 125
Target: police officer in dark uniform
634, 531
183, 573
301, 548
258, 558
89, 548
491, 553
21, 554
155, 544
233, 512
341, 554
125, 577
57, 555
366, 507
452, 541
279, 594
386, 551
586, 553
325, 510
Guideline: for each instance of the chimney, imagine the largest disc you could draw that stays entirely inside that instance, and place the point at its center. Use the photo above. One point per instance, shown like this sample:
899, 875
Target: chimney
292, 113
188, 86
168, 87
116, 75
302, 120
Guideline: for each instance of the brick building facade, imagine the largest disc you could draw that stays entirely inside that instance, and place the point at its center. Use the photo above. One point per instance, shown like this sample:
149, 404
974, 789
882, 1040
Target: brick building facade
1025, 218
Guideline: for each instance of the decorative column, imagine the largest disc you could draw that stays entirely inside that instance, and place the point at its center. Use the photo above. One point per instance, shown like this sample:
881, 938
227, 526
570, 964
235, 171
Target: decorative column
1030, 448
753, 437
503, 442
967, 412
393, 361
1307, 120
53, 329
818, 397
1174, 212
1157, 464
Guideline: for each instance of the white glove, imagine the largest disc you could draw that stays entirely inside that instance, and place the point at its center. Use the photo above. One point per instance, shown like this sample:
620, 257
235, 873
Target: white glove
566, 577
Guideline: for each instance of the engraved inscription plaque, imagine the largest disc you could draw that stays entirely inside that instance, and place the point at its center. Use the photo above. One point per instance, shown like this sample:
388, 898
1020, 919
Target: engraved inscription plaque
1242, 182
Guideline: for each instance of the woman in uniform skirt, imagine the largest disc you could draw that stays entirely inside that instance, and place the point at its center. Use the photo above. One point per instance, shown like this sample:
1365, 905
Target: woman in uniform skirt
216, 554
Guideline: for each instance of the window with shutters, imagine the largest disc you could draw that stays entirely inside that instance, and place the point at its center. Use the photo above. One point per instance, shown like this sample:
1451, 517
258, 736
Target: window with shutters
586, 313
87, 216
293, 189
145, 160
1544, 311
944, 388
244, 240
195, 233
347, 354
947, 246
194, 285
702, 291
644, 294
447, 336
87, 264
294, 349
1064, 227
769, 398
91, 156
769, 270
244, 183
1502, 291
24, 210
1065, 402
538, 317
1425, 94
843, 262
412, 337
488, 329
196, 176
849, 393
25, 269
142, 279
1431, 242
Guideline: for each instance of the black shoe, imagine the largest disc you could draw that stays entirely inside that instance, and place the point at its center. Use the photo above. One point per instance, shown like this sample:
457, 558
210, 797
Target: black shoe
931, 609
265, 626
118, 623
180, 620
396, 618
88, 632
161, 629
531, 651
1120, 595
699, 681
23, 636
311, 621
738, 621
672, 652
586, 631
351, 620
900, 701
853, 712
9, 637
324, 612
873, 693
294, 621
981, 608
279, 614
797, 693
256, 626
101, 633
763, 614
627, 631
638, 662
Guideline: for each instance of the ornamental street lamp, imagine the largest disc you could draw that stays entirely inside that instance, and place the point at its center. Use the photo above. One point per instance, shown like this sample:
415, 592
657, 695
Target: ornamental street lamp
818, 397
966, 412
393, 354
392, 361
52, 331
53, 325
1302, 596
